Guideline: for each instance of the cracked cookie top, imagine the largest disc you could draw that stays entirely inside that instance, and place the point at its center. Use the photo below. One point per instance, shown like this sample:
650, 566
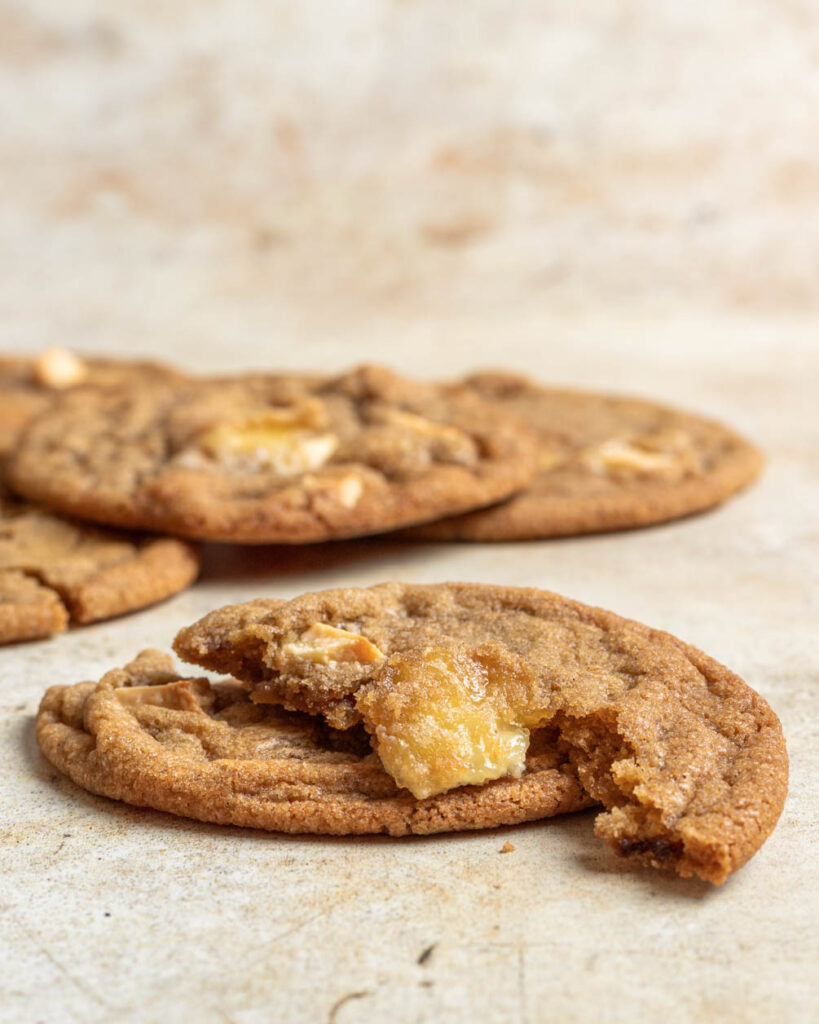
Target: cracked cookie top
606, 463
53, 571
261, 459
452, 680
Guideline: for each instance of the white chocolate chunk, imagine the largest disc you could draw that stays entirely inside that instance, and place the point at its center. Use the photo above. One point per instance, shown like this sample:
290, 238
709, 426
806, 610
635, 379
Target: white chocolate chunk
410, 420
179, 696
624, 456
441, 439
282, 440
422, 425
349, 490
58, 368
322, 644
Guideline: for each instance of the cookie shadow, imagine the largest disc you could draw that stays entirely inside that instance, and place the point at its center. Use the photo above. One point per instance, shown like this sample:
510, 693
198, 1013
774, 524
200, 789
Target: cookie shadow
226, 562
595, 857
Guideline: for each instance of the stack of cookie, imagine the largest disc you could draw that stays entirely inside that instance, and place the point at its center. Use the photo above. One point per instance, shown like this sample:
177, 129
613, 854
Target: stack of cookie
288, 459
53, 569
395, 709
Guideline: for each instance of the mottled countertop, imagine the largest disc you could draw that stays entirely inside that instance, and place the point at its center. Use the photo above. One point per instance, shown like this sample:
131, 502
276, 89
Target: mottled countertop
611, 195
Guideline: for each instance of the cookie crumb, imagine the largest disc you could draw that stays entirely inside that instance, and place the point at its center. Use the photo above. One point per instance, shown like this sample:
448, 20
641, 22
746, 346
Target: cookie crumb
508, 848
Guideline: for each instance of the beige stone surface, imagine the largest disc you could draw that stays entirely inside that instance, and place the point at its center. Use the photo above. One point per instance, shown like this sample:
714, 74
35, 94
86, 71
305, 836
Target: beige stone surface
608, 194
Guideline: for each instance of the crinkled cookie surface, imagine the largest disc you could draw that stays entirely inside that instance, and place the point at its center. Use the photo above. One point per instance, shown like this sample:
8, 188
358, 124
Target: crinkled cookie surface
204, 750
607, 463
689, 762
273, 458
28, 384
53, 571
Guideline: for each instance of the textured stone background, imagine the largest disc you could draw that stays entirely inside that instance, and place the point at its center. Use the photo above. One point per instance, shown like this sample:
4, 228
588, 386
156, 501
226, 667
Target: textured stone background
607, 193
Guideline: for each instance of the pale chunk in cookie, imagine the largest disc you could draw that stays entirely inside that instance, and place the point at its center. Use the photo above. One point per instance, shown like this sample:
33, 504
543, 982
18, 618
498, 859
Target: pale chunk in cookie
269, 459
204, 750
689, 762
446, 716
606, 463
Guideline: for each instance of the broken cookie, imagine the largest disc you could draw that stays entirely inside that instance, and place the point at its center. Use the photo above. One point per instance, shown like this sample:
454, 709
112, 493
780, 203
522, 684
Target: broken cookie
205, 750
606, 463
452, 682
264, 459
53, 570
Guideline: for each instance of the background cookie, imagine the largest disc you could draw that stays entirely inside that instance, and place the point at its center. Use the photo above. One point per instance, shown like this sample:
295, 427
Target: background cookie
273, 459
205, 750
608, 463
28, 610
28, 384
53, 570
688, 760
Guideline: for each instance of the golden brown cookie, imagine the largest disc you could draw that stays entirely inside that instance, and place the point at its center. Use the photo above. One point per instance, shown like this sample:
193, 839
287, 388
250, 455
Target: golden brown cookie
273, 458
28, 610
607, 463
450, 680
205, 750
53, 570
29, 383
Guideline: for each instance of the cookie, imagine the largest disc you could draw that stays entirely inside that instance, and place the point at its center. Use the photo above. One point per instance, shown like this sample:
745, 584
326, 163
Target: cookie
28, 384
450, 680
273, 458
53, 571
607, 463
28, 610
205, 750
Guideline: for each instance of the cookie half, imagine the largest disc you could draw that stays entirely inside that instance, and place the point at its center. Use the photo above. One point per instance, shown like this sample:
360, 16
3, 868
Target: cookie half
273, 459
205, 750
607, 463
53, 571
451, 681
